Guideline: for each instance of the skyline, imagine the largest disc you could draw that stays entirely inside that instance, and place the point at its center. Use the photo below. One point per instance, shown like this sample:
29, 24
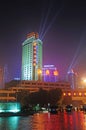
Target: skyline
64, 39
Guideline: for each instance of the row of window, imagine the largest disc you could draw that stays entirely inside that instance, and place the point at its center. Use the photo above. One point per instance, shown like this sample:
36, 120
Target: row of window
47, 84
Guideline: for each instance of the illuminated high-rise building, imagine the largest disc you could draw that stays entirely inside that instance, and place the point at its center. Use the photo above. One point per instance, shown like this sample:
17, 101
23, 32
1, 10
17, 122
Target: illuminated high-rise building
32, 57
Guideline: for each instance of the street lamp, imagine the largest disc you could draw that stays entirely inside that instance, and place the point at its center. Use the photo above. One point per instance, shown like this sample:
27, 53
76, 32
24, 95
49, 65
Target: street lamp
84, 82
39, 71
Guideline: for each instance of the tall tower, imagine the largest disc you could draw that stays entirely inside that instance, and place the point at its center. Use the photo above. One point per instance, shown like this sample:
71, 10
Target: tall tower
32, 57
72, 78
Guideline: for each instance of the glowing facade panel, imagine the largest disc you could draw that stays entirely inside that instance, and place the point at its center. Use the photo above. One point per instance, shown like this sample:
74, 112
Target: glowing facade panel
31, 58
50, 73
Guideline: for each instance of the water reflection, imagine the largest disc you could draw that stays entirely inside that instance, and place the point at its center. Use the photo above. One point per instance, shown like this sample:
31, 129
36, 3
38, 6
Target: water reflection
16, 123
60, 121
47, 121
9, 123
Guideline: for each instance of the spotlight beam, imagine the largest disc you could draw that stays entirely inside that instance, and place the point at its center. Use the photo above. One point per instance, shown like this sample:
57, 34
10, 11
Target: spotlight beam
46, 18
77, 56
41, 23
53, 20
80, 57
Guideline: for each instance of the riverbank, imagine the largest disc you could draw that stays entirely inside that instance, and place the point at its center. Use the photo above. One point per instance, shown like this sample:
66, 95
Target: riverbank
7, 114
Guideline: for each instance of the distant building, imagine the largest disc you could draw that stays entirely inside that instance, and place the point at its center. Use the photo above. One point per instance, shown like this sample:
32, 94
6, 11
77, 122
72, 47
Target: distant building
50, 73
33, 86
6, 74
32, 58
72, 79
1, 77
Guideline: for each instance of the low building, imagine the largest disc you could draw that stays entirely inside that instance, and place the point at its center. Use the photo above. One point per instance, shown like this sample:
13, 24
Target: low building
35, 85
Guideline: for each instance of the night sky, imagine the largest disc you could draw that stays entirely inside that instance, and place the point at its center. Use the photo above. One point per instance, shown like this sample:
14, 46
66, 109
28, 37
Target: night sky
64, 41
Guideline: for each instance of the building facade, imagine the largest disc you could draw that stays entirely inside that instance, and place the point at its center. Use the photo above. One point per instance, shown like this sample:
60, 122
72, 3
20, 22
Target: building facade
50, 73
33, 86
32, 58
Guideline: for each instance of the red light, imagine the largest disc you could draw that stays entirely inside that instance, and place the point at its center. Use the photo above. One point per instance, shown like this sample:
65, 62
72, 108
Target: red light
34, 56
34, 60
34, 52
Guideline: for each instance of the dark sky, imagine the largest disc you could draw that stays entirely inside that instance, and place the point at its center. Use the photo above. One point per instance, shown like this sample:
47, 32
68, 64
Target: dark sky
64, 41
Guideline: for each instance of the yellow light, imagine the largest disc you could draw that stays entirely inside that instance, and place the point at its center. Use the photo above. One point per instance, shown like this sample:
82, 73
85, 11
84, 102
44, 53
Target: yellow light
39, 71
80, 94
74, 94
34, 64
84, 80
34, 44
69, 94
85, 93
64, 94
47, 72
55, 73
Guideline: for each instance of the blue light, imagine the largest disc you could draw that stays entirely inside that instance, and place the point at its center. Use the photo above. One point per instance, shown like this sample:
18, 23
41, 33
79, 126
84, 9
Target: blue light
10, 107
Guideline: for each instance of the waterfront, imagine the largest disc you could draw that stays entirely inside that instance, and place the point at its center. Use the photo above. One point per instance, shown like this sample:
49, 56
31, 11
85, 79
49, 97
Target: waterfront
45, 121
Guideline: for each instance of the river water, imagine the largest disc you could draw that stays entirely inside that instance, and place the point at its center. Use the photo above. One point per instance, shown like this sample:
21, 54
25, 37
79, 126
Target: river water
45, 121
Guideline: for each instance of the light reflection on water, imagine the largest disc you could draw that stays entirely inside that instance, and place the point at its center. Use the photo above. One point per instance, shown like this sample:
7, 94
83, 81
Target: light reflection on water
60, 121
10, 123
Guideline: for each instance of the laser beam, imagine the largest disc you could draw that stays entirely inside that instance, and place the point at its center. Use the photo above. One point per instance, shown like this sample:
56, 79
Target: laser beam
78, 55
46, 18
53, 20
